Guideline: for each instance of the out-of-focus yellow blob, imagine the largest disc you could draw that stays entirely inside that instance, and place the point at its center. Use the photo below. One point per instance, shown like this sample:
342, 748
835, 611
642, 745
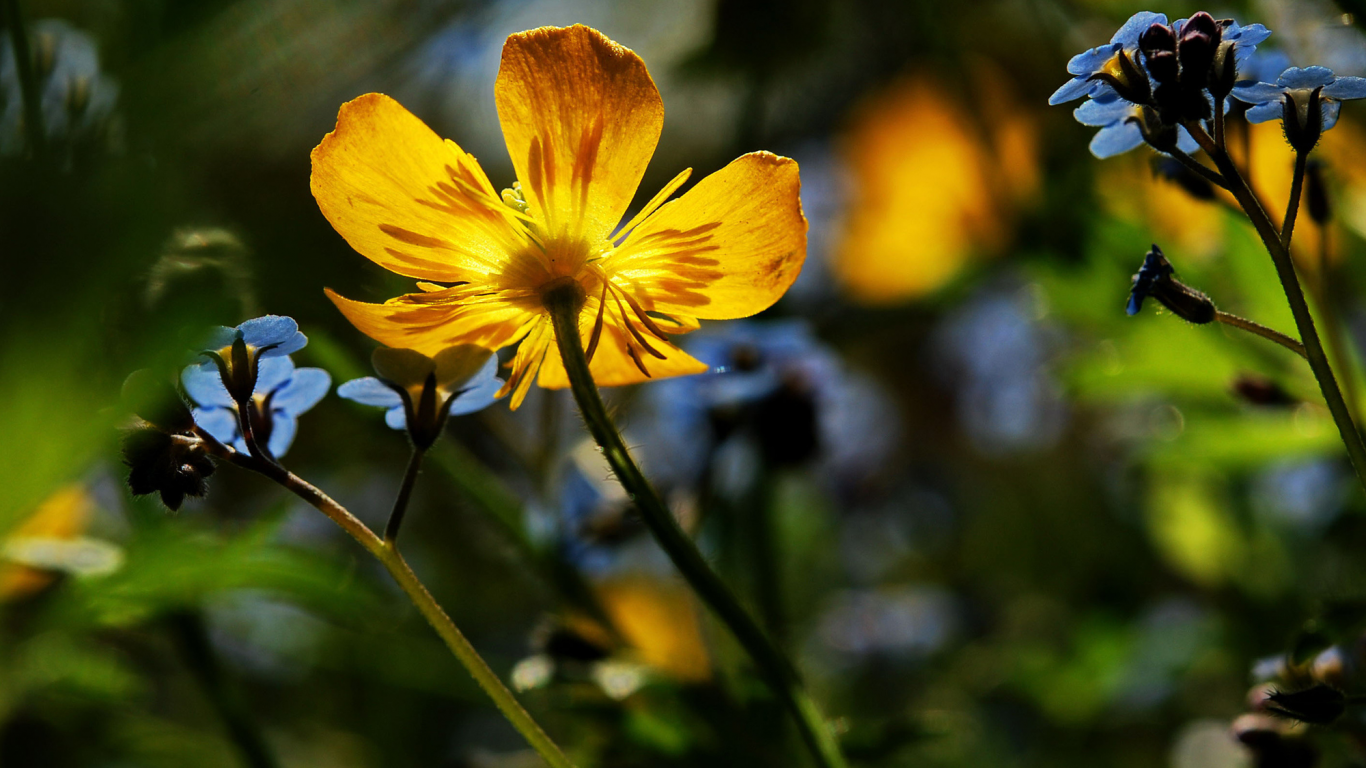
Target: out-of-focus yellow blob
62, 516
931, 191
1129, 189
658, 618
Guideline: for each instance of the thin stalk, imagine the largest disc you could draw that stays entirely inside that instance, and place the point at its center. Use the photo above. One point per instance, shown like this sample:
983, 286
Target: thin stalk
1292, 208
28, 81
244, 408
398, 568
404, 491
187, 627
1261, 330
1199, 168
1294, 294
564, 305
1219, 125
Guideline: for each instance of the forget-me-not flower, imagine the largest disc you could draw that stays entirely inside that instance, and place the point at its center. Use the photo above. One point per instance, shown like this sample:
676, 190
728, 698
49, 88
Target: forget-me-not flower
1268, 100
282, 393
1088, 67
419, 392
236, 352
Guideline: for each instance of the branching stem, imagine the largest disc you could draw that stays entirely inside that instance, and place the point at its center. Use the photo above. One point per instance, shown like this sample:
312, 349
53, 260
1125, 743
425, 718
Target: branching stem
1261, 330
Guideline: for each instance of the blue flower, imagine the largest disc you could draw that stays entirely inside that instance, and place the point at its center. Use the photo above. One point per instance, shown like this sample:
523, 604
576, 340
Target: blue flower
419, 392
282, 393
1268, 100
1119, 123
1084, 67
236, 352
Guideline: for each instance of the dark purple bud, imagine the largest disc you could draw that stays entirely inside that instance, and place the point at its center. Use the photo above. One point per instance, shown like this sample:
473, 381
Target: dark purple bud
1156, 278
1199, 41
174, 466
1158, 45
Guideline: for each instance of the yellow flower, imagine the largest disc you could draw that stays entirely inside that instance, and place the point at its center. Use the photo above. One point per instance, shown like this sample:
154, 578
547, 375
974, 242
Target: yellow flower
929, 193
581, 118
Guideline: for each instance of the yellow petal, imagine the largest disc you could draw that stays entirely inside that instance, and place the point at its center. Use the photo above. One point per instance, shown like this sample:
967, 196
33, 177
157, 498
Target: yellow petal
612, 364
729, 247
412, 322
581, 117
407, 200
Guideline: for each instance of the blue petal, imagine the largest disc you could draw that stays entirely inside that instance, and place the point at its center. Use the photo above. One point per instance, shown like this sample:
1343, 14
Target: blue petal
481, 390
396, 418
283, 427
1309, 77
1331, 110
1251, 35
1089, 62
267, 330
1265, 113
1116, 140
271, 373
303, 391
1257, 93
1135, 304
370, 391
1346, 88
205, 386
1100, 113
1137, 24
1071, 90
219, 422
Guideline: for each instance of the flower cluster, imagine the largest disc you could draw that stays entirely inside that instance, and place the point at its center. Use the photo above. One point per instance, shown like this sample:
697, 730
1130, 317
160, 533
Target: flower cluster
251, 384
1153, 80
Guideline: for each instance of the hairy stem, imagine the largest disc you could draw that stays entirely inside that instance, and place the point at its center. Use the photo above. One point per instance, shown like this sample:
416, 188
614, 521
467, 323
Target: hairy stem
411, 585
1292, 209
404, 491
1199, 169
1294, 294
564, 305
1261, 330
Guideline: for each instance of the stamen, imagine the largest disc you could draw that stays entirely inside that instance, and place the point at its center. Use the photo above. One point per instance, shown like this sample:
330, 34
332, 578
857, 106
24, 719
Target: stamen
597, 324
654, 203
626, 321
644, 318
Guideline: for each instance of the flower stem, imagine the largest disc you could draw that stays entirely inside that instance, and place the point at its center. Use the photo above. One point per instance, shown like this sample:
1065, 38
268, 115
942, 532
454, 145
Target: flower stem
1261, 330
1292, 209
404, 491
564, 305
28, 82
1199, 168
411, 585
1294, 294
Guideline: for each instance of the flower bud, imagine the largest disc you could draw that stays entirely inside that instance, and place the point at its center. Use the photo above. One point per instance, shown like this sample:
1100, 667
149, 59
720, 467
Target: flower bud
1175, 171
1127, 78
1319, 704
1223, 73
1259, 390
1199, 41
1156, 279
1158, 44
1303, 119
172, 465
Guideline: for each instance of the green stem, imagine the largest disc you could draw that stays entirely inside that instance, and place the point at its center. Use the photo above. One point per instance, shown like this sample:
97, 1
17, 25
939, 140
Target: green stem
187, 627
404, 492
564, 304
1294, 294
1328, 304
1199, 168
1292, 209
1261, 330
28, 82
408, 581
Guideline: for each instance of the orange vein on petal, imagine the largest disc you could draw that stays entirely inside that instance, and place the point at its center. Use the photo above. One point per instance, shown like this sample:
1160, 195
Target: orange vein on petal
581, 117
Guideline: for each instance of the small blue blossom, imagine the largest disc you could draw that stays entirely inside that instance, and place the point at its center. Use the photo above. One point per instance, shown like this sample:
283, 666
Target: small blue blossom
282, 393
1118, 121
1263, 66
473, 394
1244, 39
1086, 65
269, 336
1268, 100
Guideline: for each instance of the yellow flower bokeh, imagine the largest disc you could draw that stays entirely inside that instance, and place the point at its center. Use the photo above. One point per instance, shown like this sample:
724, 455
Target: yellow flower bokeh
931, 191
